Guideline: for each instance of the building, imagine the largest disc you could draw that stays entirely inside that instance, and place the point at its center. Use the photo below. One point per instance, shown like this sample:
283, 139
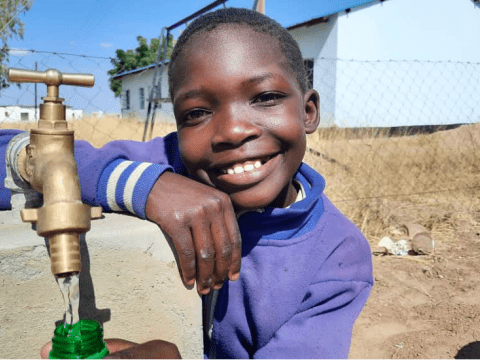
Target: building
351, 65
136, 90
22, 113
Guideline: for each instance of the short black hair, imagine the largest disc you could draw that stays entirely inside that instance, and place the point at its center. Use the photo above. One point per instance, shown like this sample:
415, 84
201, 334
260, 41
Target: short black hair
254, 20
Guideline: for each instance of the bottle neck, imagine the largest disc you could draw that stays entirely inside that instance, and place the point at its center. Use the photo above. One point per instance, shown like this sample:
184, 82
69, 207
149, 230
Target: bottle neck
82, 340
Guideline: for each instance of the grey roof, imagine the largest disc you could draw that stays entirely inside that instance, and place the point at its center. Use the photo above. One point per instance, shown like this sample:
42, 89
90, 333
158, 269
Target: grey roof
328, 8
143, 68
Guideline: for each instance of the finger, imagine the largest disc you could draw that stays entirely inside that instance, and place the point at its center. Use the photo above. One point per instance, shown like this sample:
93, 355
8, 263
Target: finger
223, 250
45, 350
155, 349
115, 345
184, 252
205, 250
177, 260
236, 243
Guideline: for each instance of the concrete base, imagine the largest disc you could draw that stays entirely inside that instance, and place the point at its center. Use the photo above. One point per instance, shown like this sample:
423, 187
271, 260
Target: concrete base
129, 283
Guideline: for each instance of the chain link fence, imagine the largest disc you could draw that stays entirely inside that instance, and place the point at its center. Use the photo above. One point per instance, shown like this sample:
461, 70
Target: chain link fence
403, 145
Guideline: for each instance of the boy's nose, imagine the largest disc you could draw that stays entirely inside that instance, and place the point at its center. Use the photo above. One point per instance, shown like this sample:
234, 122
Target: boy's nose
234, 129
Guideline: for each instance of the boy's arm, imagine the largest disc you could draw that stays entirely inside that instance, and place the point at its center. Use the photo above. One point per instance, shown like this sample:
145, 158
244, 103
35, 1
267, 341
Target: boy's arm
91, 162
322, 327
198, 220
125, 168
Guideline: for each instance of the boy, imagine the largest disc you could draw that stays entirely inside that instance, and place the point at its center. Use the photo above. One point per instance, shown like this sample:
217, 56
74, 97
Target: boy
237, 83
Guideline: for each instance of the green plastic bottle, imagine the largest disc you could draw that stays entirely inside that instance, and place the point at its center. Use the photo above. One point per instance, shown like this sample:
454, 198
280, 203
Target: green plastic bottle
83, 340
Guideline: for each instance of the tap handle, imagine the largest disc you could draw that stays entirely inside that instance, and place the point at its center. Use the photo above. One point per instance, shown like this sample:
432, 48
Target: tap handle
50, 77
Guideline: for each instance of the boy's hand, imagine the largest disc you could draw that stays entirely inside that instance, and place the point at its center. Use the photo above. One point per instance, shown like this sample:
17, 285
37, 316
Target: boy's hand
155, 349
201, 227
123, 349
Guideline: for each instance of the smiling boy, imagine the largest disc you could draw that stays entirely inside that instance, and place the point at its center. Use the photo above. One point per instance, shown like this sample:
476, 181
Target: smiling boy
234, 167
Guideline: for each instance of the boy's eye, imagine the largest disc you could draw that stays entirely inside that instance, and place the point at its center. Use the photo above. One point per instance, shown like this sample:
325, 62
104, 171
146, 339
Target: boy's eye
194, 116
268, 98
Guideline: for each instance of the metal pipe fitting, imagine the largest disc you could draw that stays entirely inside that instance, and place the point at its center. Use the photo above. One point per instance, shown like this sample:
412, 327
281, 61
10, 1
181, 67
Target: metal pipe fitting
48, 165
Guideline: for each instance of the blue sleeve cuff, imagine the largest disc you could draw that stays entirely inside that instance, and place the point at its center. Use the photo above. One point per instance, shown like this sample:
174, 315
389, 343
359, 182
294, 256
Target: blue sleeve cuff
125, 185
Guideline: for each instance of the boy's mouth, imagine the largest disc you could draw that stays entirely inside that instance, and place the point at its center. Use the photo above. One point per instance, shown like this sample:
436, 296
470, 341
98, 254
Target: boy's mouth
244, 173
245, 166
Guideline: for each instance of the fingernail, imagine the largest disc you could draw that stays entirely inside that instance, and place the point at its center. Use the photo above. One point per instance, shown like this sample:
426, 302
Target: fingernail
204, 291
235, 277
218, 287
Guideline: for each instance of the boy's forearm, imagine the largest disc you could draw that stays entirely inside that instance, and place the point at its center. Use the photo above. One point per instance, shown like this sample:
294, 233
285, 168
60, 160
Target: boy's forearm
125, 185
94, 165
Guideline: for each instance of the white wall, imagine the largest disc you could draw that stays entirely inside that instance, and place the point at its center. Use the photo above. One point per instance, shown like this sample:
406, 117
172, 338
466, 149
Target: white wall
420, 90
143, 79
315, 42
13, 114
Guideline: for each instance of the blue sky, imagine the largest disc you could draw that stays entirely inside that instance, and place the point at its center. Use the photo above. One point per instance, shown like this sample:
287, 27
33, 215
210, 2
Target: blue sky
102, 26
99, 27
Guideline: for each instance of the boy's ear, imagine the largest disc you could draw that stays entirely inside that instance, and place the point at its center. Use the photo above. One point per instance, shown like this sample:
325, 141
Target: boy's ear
312, 110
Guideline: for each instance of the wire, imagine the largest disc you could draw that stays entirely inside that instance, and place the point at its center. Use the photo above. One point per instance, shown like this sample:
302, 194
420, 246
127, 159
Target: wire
59, 53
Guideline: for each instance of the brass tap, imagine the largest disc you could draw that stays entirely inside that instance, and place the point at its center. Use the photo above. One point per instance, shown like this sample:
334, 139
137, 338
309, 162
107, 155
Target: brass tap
49, 166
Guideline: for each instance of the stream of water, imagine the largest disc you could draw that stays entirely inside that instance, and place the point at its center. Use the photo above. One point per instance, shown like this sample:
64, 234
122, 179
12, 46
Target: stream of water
69, 286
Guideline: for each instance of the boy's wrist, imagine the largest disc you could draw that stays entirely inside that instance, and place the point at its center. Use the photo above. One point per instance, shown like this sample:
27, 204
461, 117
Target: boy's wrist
125, 185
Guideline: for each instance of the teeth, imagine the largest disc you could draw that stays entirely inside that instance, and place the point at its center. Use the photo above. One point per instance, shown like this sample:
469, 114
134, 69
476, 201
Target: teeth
249, 167
238, 169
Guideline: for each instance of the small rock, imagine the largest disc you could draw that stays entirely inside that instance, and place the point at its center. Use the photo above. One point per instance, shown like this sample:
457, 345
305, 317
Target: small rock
420, 238
422, 244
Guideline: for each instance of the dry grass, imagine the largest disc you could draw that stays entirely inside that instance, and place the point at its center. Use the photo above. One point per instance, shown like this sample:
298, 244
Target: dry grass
99, 131
379, 182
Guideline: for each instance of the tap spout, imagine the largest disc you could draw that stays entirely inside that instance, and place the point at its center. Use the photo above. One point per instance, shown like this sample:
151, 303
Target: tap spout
50, 168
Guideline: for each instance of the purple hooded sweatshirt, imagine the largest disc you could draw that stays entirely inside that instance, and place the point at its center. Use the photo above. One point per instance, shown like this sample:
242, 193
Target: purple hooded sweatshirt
306, 269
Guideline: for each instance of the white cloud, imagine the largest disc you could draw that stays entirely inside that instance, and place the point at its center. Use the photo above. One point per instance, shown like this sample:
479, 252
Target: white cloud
18, 52
106, 45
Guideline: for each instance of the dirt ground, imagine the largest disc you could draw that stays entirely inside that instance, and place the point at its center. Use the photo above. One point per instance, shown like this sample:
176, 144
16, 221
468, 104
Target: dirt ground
424, 306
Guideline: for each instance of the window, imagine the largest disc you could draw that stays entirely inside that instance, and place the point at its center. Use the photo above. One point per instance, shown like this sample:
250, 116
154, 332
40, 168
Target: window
127, 100
309, 67
24, 116
142, 98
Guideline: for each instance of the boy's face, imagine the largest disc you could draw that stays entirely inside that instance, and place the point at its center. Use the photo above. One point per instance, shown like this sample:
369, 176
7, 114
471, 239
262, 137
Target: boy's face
241, 116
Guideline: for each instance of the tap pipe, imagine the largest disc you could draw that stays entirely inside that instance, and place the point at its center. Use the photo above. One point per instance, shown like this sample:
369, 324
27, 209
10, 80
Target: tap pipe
49, 166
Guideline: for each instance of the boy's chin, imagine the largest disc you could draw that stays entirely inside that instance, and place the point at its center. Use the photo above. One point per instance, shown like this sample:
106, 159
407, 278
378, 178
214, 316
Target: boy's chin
242, 204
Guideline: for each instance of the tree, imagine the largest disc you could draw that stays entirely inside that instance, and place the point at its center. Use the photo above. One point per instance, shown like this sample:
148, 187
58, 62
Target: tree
10, 26
143, 55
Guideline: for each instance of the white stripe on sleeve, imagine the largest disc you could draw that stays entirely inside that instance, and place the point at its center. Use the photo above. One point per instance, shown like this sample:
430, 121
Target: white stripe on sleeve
130, 185
112, 184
